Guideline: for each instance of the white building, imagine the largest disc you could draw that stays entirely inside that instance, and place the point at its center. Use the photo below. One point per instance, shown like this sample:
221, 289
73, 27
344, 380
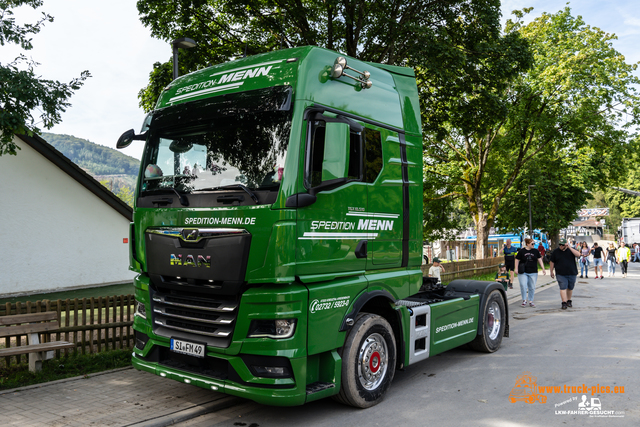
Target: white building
59, 228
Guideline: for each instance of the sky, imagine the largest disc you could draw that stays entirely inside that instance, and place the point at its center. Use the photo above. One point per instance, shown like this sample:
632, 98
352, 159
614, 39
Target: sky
620, 17
107, 38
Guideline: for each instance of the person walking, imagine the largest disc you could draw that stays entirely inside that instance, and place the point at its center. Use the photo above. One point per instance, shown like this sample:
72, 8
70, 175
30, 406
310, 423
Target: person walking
636, 252
530, 257
623, 255
509, 257
541, 250
562, 267
611, 260
597, 260
584, 260
502, 276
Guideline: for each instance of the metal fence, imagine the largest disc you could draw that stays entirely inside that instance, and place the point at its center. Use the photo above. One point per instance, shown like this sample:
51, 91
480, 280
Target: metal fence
94, 324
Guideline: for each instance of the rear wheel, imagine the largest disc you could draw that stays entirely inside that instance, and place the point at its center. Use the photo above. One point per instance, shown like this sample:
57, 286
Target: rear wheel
492, 314
368, 362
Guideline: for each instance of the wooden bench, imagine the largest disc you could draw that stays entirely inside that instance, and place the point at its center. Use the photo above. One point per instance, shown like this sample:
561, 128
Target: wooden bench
32, 325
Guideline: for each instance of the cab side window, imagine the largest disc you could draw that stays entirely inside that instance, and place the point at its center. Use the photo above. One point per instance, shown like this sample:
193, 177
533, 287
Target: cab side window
315, 155
373, 155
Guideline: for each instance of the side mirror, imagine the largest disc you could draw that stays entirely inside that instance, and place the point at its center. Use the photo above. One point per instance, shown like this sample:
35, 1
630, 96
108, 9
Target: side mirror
180, 146
125, 139
335, 163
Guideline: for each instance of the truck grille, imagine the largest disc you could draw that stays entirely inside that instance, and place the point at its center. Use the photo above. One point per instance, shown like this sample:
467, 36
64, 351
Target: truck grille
192, 315
197, 279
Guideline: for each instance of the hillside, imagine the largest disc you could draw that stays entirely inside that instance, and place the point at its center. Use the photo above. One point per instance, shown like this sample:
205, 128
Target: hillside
97, 160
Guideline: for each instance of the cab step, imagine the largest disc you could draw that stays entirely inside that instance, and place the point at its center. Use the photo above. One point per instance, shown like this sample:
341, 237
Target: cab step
318, 386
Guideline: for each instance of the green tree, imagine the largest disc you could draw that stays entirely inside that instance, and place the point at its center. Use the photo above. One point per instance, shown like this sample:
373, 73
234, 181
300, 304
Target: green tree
600, 201
462, 107
623, 205
126, 195
21, 90
399, 32
578, 94
563, 181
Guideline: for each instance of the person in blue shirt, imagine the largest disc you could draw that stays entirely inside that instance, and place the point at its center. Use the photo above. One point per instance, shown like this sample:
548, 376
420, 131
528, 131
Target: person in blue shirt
509, 258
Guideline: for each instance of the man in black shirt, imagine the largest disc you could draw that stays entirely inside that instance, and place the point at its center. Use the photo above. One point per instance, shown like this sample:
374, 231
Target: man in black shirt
598, 259
563, 260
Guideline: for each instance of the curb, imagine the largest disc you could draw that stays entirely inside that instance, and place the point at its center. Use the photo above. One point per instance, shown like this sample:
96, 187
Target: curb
63, 380
190, 413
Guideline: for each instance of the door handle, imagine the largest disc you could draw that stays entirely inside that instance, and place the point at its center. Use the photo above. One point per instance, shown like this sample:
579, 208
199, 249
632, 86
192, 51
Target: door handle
361, 249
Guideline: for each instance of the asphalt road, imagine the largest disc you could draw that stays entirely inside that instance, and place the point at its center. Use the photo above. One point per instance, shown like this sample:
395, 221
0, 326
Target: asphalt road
594, 343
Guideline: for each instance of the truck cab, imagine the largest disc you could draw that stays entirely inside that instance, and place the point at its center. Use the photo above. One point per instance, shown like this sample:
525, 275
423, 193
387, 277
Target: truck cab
277, 232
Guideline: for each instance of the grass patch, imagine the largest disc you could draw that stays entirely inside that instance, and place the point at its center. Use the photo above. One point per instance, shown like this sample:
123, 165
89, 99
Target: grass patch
65, 367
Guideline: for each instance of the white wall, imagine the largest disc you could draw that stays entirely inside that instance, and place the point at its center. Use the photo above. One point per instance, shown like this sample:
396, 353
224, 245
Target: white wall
54, 233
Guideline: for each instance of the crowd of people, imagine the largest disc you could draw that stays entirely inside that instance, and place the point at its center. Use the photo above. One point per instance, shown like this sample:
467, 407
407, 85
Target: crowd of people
563, 265
612, 256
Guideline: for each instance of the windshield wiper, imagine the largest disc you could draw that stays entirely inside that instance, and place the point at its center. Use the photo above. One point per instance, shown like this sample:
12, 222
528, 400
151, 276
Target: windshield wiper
241, 186
181, 197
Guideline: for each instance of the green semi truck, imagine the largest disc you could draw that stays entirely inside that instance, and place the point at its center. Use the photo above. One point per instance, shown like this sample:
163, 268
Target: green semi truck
277, 234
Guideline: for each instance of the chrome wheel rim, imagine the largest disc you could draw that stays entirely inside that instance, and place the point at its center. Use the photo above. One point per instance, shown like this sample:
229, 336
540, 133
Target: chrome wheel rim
493, 320
373, 360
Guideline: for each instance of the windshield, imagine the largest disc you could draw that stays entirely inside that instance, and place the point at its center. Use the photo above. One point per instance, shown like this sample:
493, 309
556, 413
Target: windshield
230, 140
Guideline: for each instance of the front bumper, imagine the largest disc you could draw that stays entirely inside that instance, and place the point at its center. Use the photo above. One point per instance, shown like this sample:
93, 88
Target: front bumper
234, 377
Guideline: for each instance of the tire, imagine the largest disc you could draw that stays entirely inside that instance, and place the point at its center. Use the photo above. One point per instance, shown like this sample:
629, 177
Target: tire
368, 362
494, 322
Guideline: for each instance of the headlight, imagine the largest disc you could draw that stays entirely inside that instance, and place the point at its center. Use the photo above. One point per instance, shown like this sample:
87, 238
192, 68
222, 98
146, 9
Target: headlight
272, 328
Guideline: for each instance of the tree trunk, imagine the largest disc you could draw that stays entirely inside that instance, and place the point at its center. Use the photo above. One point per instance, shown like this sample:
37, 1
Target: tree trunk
482, 237
554, 238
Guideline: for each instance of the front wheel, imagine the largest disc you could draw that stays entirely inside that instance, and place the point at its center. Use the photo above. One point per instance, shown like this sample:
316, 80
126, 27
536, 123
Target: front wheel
493, 313
368, 362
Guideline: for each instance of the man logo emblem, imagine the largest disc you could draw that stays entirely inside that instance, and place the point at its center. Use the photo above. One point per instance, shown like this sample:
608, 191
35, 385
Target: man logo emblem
190, 234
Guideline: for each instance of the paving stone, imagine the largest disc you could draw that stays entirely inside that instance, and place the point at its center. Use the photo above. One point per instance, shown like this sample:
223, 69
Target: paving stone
116, 398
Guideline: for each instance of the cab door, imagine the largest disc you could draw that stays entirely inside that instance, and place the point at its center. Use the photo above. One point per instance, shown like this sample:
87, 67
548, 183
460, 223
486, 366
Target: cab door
329, 242
383, 173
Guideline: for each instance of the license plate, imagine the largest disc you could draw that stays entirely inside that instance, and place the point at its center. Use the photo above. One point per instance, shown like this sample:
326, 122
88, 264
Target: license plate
186, 347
